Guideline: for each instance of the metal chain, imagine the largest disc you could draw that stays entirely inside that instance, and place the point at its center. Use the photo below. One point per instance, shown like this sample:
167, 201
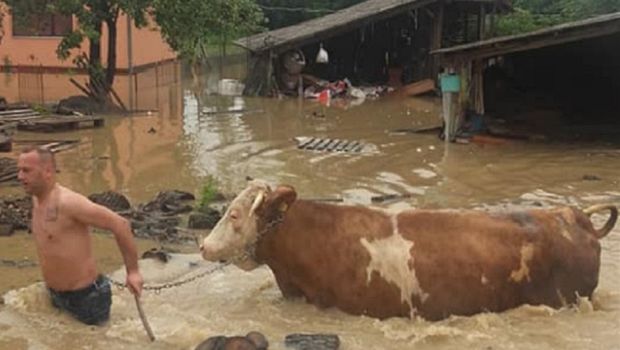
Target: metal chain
251, 252
160, 287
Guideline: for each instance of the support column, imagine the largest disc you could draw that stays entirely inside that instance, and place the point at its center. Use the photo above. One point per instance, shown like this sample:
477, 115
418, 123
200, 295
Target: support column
482, 22
132, 102
436, 39
451, 87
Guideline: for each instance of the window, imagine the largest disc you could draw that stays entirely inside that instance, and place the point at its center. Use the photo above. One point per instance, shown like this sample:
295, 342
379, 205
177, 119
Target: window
42, 25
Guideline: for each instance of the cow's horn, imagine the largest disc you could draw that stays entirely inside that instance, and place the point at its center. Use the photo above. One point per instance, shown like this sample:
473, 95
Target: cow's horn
257, 202
611, 222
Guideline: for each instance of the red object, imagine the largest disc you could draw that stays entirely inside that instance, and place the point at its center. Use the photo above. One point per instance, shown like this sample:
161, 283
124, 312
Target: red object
325, 96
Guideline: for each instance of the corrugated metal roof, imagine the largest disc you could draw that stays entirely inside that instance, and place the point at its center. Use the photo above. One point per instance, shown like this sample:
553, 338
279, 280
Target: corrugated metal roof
513, 43
329, 25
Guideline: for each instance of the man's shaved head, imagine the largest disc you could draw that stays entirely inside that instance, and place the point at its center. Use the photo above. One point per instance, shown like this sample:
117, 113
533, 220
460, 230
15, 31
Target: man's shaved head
37, 170
45, 155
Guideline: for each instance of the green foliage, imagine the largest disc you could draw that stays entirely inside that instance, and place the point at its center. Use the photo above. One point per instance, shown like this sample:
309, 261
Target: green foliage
530, 15
282, 13
208, 193
41, 109
190, 25
1, 21
91, 15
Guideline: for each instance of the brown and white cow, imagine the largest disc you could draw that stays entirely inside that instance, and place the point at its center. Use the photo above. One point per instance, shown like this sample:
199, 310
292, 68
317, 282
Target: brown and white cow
415, 262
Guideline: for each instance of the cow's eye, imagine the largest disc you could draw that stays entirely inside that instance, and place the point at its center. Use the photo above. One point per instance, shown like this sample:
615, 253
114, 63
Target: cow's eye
234, 215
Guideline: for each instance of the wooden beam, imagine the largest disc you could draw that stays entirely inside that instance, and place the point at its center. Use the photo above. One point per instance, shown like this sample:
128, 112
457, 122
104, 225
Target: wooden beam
535, 43
437, 37
325, 33
482, 23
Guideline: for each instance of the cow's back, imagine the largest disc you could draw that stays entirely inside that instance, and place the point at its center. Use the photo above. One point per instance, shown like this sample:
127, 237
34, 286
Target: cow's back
470, 261
431, 263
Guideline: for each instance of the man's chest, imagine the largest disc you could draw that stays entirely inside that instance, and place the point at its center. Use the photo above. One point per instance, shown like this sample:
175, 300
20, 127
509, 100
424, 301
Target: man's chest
48, 223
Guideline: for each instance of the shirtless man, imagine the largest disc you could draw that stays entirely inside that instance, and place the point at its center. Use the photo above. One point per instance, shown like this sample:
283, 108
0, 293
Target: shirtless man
61, 221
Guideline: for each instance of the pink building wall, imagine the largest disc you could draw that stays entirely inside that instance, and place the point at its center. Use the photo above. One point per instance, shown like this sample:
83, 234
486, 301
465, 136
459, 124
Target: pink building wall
148, 47
33, 73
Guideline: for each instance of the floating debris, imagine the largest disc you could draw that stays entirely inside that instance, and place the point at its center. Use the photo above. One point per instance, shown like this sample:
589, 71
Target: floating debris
61, 123
312, 341
331, 145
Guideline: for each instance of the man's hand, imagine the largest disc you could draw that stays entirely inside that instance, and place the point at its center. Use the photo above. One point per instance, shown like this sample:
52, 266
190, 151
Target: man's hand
135, 282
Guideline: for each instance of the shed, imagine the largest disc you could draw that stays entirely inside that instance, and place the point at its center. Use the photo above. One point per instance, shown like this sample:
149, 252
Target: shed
376, 41
568, 74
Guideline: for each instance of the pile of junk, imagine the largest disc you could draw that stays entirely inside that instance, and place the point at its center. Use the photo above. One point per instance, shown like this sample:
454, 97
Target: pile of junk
293, 82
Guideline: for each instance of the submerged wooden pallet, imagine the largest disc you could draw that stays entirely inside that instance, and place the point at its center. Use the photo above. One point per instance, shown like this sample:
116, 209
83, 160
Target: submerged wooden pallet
18, 115
61, 123
6, 143
329, 145
6, 137
8, 166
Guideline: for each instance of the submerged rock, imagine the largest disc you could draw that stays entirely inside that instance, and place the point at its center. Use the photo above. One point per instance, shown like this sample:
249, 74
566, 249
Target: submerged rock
204, 219
312, 341
156, 254
82, 104
112, 200
15, 212
170, 202
252, 341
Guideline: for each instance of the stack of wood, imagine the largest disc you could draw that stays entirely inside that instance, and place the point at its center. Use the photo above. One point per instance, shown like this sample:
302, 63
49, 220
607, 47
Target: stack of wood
8, 166
6, 137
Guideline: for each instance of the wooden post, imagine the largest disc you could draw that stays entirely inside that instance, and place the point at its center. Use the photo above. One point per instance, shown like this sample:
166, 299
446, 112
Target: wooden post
447, 103
450, 97
41, 84
130, 62
436, 39
482, 22
135, 85
493, 20
269, 71
478, 86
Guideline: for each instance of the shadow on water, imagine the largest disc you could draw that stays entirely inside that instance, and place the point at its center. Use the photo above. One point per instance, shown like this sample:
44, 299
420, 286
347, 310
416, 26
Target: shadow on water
195, 135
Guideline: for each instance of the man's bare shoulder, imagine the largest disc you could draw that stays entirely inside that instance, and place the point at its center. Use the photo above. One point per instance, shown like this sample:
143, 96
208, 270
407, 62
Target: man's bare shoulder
82, 209
68, 197
74, 203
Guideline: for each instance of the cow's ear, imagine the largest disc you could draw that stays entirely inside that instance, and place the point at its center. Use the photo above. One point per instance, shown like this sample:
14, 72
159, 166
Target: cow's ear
282, 198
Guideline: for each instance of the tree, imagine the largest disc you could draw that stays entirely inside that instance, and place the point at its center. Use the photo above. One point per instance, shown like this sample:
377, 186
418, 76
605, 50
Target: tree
189, 25
91, 15
535, 14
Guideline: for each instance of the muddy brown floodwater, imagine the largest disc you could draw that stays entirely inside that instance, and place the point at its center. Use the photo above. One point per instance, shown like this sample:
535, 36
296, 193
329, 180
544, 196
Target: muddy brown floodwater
179, 147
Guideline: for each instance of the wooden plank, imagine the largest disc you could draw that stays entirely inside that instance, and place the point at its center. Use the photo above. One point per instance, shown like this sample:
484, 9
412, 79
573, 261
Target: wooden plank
418, 88
15, 111
351, 146
313, 144
61, 123
333, 145
239, 111
324, 144
341, 147
306, 143
561, 34
358, 149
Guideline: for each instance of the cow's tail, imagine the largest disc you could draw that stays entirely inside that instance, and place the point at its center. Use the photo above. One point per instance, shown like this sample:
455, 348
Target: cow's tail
611, 222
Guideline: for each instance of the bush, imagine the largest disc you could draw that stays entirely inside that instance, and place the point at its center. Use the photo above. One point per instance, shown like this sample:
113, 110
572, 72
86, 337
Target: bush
207, 194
